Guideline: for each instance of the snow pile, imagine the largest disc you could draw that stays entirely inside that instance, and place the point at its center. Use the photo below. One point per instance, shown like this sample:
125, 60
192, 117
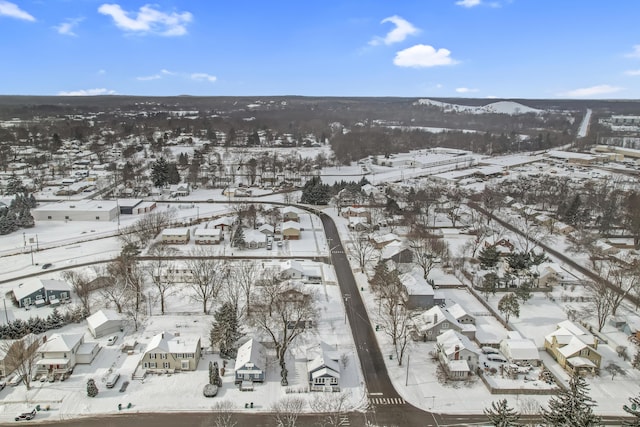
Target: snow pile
499, 107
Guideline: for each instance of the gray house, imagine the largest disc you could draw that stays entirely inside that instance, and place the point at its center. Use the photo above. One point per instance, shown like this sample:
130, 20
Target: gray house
418, 292
428, 325
250, 363
40, 292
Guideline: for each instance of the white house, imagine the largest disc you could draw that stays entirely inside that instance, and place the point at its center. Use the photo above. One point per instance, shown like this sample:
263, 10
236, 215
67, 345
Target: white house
207, 236
458, 354
59, 353
519, 350
323, 373
104, 322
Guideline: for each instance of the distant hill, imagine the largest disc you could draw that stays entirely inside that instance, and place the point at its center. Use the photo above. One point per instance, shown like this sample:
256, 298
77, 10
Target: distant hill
499, 107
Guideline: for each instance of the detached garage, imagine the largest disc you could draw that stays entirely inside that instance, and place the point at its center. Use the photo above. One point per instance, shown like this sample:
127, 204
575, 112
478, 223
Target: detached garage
104, 322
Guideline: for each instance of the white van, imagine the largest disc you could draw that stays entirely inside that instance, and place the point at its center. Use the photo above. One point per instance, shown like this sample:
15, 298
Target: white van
112, 379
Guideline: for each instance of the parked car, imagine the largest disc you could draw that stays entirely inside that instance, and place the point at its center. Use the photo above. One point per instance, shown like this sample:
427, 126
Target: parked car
15, 380
112, 379
26, 415
112, 340
2, 385
47, 265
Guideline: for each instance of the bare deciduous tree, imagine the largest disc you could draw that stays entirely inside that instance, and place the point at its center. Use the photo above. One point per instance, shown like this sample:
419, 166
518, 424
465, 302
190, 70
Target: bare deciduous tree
287, 410
81, 285
21, 355
427, 251
158, 271
208, 276
284, 313
362, 249
223, 411
396, 324
332, 406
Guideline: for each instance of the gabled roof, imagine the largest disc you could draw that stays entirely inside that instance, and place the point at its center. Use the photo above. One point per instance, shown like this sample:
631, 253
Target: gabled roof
451, 341
252, 235
25, 289
55, 285
291, 264
433, 317
103, 316
169, 343
290, 224
521, 349
250, 352
415, 283
61, 342
323, 361
207, 232
457, 311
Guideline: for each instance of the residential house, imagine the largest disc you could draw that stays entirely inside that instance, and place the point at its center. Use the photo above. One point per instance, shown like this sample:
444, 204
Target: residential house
428, 325
520, 350
41, 291
458, 354
461, 315
290, 230
253, 239
381, 240
104, 322
169, 352
323, 373
180, 190
356, 212
267, 229
398, 252
550, 274
175, 236
307, 271
207, 236
419, 294
223, 223
250, 363
290, 214
574, 348
358, 223
59, 352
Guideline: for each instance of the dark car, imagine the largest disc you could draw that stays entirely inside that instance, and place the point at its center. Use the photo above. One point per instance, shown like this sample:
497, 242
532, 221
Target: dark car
47, 265
26, 415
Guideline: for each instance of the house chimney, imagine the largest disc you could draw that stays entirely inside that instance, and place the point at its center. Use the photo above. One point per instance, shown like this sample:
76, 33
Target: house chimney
435, 318
595, 343
456, 354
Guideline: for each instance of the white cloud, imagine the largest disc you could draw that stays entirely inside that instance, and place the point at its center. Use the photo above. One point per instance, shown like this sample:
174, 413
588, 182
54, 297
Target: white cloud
88, 92
148, 20
203, 77
592, 91
635, 53
167, 72
468, 3
13, 11
102, 72
66, 28
402, 30
632, 73
422, 56
466, 90
147, 78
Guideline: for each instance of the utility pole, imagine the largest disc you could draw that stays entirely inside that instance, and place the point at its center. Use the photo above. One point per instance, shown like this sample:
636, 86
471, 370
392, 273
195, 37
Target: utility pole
406, 381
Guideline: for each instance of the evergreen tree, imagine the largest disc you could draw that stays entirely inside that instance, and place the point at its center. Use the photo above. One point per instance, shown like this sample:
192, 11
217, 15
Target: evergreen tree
489, 284
488, 257
572, 407
523, 292
508, 306
571, 215
225, 330
160, 172
634, 410
636, 360
173, 176
14, 185
238, 237
92, 388
501, 415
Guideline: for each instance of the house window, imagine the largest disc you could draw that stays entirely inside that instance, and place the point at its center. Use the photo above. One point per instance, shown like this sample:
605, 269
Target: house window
49, 217
185, 364
166, 365
153, 365
26, 301
163, 356
584, 352
98, 218
152, 356
445, 325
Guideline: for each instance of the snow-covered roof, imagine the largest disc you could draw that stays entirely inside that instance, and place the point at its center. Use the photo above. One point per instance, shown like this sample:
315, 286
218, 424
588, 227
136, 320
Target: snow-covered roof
175, 231
290, 224
520, 349
326, 362
457, 311
206, 232
416, 284
169, 343
61, 342
101, 317
291, 264
55, 285
252, 235
26, 289
451, 341
581, 362
250, 352
458, 366
432, 317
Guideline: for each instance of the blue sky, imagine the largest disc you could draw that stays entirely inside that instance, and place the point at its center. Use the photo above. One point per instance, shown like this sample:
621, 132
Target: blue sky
414, 48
